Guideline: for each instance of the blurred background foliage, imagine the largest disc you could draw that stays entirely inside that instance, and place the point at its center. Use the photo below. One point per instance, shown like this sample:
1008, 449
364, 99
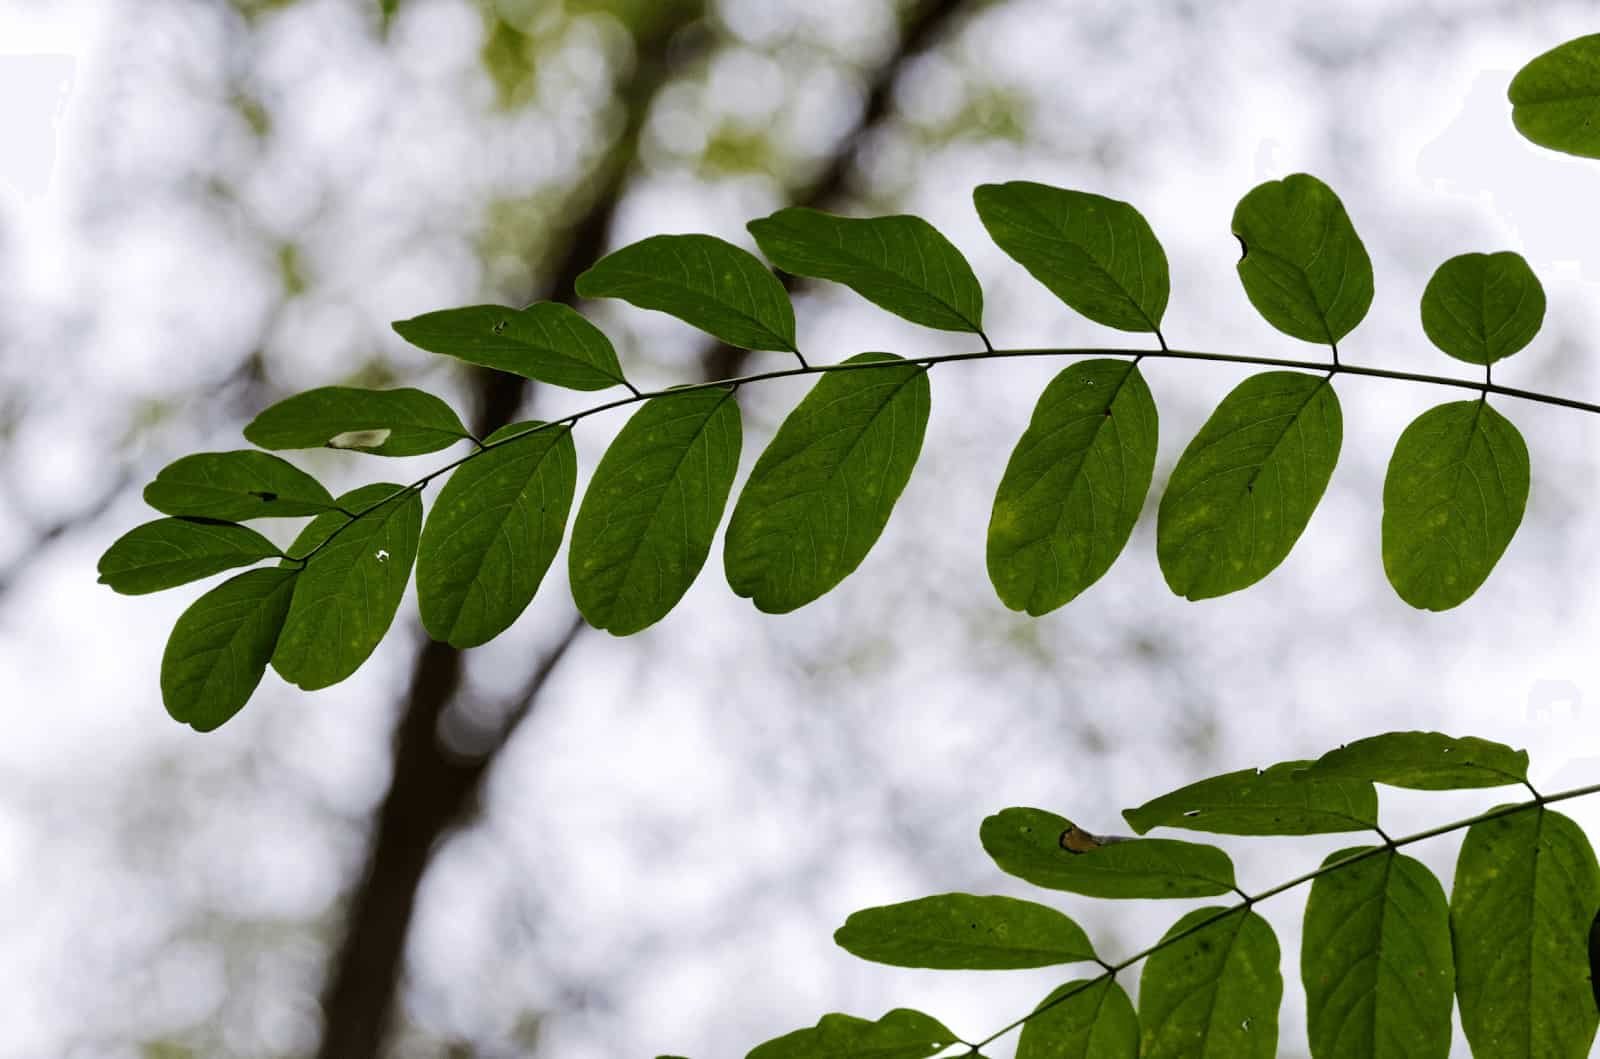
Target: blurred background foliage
568, 845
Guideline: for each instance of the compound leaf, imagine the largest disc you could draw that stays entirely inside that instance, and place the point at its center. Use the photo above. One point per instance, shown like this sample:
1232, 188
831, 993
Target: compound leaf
493, 533
1246, 486
1525, 890
1215, 993
220, 647
1027, 843
402, 422
1376, 960
1273, 801
1555, 99
703, 281
900, 263
1425, 761
236, 486
1452, 500
647, 522
964, 932
1074, 486
1086, 1019
174, 551
1303, 266
347, 595
1481, 308
1096, 254
549, 342
823, 490
901, 1034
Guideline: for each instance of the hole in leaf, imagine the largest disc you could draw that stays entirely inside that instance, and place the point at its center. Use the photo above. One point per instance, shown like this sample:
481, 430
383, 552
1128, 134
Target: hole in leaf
499, 328
1244, 249
264, 495
359, 439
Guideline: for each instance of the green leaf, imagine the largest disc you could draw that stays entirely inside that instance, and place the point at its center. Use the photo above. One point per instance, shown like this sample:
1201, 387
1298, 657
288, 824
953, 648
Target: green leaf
1376, 960
1273, 801
900, 263
652, 509
493, 533
1303, 265
1096, 254
964, 932
348, 593
1453, 498
901, 1034
1555, 99
1214, 994
1074, 486
703, 281
1096, 1020
174, 551
1245, 488
1425, 761
823, 490
1027, 843
220, 646
403, 422
1526, 887
549, 342
235, 486
1481, 308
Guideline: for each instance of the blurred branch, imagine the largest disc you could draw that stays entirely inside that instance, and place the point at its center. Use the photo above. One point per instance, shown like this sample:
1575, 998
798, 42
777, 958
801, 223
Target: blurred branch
43, 536
434, 791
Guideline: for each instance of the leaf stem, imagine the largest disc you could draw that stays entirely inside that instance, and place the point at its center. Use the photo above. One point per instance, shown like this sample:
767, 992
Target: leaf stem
1331, 369
1299, 880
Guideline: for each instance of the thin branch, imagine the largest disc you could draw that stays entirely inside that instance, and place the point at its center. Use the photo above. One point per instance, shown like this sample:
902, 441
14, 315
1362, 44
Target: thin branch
45, 536
1298, 880
1330, 368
